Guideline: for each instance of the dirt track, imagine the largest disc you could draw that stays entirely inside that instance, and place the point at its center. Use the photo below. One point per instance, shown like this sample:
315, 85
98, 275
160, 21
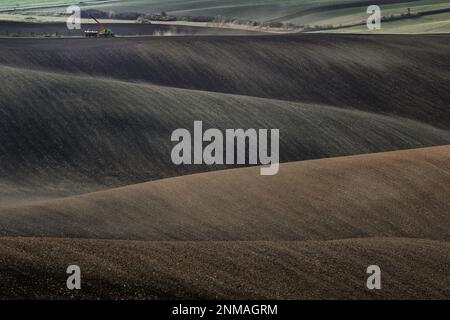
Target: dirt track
32, 29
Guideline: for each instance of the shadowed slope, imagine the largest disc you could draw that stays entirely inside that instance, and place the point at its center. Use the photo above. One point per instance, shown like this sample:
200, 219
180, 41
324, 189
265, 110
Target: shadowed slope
64, 135
405, 75
412, 269
398, 194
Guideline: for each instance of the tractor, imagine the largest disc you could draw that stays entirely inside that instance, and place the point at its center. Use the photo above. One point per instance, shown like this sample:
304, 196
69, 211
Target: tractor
102, 33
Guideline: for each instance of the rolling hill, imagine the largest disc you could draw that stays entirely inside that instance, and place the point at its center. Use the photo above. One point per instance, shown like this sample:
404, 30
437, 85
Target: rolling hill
397, 194
397, 75
374, 214
63, 135
86, 176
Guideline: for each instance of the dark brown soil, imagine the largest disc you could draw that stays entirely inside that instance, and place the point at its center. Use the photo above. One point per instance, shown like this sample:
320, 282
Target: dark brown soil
411, 269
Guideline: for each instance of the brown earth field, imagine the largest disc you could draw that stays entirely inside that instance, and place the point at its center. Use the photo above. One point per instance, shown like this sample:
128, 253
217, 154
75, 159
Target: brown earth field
395, 194
34, 268
310, 234
86, 176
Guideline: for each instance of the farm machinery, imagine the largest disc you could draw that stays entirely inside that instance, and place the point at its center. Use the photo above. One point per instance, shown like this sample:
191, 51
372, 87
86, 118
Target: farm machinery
103, 32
